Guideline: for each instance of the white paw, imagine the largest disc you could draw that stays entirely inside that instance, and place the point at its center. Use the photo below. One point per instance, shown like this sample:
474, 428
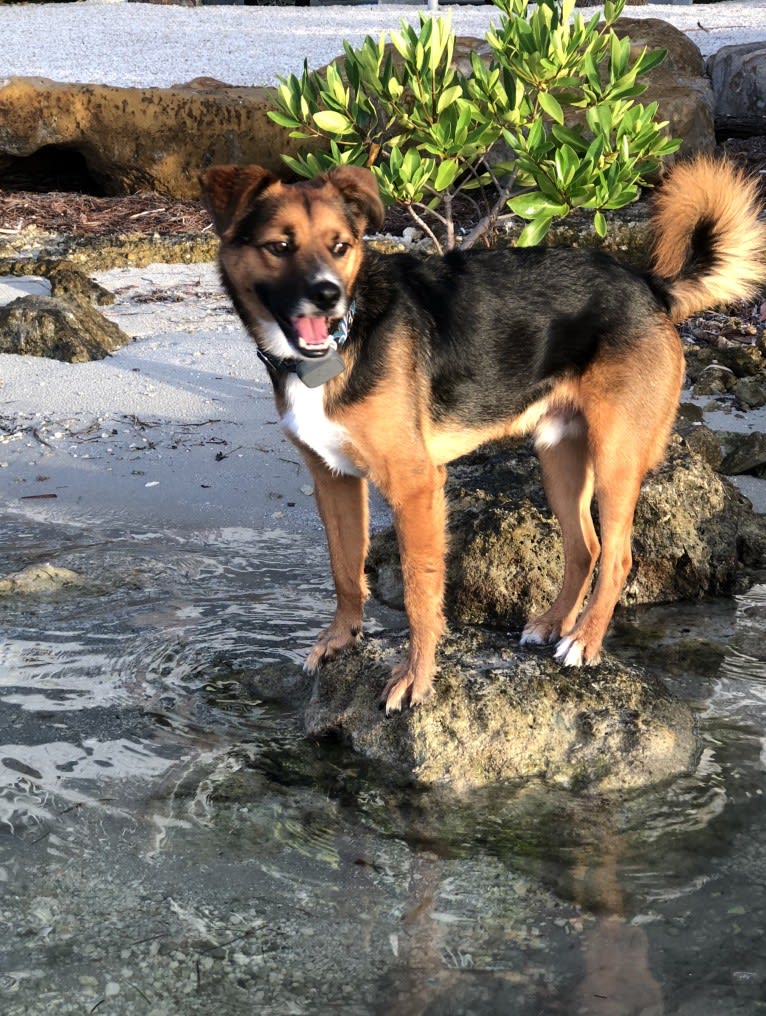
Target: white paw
530, 637
569, 652
536, 635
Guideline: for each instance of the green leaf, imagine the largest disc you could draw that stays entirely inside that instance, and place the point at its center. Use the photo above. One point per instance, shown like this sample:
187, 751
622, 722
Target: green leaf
551, 106
282, 120
448, 97
332, 122
568, 136
446, 174
599, 224
534, 204
649, 59
533, 233
566, 163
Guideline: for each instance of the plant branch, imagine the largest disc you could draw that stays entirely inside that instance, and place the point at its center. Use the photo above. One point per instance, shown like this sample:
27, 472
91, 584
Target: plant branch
425, 227
486, 224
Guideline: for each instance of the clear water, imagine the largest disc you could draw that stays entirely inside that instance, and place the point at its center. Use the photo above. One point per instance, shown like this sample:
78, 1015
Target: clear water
170, 846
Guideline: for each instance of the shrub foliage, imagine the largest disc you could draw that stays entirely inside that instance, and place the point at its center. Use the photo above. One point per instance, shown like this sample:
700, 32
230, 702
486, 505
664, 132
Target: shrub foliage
546, 123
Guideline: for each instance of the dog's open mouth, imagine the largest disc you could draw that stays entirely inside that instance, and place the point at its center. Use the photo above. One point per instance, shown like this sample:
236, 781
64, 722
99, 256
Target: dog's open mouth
312, 335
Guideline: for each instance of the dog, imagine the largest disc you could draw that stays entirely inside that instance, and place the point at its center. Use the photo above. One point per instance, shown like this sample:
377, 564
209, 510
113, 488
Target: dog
386, 367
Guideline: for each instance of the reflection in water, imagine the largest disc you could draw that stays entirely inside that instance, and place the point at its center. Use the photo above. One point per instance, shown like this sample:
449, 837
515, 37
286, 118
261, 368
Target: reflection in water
168, 844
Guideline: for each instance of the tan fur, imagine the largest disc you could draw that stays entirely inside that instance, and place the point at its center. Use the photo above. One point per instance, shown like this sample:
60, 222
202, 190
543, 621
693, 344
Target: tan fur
713, 189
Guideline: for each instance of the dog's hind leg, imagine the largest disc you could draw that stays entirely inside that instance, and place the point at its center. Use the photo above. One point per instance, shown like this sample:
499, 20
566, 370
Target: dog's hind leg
342, 503
568, 480
617, 487
420, 517
629, 404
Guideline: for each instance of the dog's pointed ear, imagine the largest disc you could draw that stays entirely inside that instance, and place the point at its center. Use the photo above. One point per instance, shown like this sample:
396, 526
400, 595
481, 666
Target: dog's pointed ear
226, 191
360, 188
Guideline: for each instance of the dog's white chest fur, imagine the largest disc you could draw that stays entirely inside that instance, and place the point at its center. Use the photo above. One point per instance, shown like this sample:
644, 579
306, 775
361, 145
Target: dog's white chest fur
306, 420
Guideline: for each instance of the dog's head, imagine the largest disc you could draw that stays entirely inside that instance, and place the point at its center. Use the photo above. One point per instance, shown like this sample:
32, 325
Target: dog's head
290, 253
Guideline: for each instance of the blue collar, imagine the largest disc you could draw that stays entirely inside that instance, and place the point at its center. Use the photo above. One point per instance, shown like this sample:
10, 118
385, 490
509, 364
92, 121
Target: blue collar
344, 325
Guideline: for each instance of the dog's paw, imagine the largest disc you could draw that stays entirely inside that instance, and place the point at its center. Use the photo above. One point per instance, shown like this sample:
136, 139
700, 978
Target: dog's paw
405, 688
539, 633
572, 652
331, 642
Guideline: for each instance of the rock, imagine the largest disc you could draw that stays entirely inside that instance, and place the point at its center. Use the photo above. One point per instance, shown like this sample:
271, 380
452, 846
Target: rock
738, 359
750, 392
694, 534
701, 440
715, 379
45, 578
738, 76
134, 139
498, 713
680, 84
65, 278
57, 327
747, 454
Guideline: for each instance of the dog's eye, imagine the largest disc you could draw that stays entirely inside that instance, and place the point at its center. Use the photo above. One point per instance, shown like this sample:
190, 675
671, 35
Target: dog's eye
340, 249
279, 248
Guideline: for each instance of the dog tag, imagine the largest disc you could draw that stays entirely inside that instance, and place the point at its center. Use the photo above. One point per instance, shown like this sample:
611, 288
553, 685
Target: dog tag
314, 373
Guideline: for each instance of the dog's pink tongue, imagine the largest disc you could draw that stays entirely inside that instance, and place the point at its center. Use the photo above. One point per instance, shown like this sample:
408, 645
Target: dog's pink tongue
313, 330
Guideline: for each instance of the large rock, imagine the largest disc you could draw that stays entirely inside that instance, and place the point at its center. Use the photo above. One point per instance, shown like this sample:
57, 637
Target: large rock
136, 139
694, 534
679, 84
65, 279
68, 329
738, 75
499, 713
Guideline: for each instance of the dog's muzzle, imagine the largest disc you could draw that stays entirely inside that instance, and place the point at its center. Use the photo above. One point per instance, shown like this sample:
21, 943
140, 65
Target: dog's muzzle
322, 304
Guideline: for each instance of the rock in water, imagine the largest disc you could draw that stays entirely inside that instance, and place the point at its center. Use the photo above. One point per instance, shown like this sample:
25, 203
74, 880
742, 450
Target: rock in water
44, 578
498, 713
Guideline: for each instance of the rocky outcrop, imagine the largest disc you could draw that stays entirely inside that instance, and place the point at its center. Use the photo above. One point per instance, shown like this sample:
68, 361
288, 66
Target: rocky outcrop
733, 364
38, 579
498, 713
65, 279
68, 329
134, 139
694, 534
746, 454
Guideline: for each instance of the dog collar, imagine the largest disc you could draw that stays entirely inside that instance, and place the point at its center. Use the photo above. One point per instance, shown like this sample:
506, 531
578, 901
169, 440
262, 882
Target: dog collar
343, 327
314, 373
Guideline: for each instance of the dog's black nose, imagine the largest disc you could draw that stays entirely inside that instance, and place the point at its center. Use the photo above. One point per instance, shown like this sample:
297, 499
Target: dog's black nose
324, 294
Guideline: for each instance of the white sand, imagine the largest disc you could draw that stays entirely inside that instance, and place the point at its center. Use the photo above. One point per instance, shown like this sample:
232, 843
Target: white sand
148, 44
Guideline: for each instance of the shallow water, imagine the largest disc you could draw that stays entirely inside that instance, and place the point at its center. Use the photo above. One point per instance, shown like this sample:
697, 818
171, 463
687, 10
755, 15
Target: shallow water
168, 846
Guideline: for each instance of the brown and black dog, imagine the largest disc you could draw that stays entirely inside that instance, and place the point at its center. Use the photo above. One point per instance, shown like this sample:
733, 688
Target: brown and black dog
387, 367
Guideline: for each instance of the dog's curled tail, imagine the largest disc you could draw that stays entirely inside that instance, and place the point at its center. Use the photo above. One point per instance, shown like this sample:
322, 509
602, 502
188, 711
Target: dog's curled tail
709, 245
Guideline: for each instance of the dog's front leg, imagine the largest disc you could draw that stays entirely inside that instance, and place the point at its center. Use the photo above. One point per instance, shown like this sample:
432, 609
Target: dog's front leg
342, 502
420, 519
